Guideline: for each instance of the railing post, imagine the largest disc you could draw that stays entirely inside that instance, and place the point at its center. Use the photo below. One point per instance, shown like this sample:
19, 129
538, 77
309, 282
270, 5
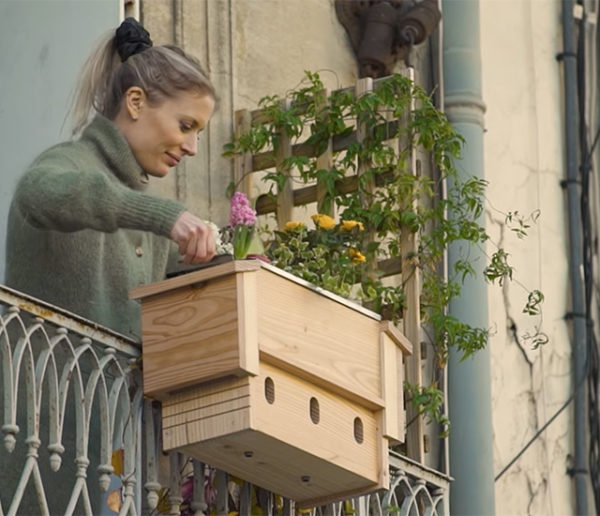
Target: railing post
222, 493
175, 498
199, 504
152, 485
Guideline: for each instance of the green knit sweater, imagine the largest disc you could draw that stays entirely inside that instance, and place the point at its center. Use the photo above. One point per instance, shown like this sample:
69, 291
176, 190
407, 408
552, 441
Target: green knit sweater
82, 232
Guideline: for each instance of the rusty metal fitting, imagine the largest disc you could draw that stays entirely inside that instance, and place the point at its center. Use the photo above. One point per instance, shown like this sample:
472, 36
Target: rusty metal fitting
383, 31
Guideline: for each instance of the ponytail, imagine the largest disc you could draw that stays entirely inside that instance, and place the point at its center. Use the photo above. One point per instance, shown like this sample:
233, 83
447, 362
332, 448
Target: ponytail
126, 58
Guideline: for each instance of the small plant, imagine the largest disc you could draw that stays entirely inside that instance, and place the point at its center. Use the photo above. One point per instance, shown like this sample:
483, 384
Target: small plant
389, 202
329, 255
429, 401
242, 219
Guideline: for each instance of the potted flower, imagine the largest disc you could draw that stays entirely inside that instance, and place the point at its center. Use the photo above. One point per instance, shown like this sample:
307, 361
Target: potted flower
242, 219
272, 378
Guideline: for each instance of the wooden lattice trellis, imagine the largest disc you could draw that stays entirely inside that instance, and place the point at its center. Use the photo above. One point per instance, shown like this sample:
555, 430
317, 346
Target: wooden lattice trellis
290, 197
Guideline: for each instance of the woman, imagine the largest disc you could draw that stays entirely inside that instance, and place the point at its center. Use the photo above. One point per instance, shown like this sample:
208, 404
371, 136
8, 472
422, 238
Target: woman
82, 231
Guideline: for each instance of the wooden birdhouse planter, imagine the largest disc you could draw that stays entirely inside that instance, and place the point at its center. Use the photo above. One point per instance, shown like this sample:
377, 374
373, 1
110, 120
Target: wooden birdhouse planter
273, 380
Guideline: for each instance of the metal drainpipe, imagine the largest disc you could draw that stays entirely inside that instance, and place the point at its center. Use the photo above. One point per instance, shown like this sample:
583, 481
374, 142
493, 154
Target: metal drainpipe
469, 390
579, 470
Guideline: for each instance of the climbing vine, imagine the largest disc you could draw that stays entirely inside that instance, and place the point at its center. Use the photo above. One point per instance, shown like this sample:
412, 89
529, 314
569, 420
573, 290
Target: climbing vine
357, 230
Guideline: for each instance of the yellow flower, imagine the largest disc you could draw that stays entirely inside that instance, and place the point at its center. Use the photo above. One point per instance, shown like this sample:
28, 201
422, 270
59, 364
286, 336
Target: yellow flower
323, 221
293, 224
357, 256
349, 225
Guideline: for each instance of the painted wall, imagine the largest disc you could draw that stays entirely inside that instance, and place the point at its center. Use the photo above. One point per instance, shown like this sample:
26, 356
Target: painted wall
524, 162
43, 44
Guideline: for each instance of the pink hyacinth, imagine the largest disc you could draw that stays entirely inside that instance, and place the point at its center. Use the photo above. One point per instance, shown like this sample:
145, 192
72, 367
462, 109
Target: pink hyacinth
241, 213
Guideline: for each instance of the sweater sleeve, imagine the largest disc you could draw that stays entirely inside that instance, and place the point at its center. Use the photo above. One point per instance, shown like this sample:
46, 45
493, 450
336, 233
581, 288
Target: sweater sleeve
66, 199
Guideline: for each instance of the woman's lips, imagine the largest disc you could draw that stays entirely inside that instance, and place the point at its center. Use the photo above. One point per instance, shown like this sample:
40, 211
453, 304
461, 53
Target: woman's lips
173, 159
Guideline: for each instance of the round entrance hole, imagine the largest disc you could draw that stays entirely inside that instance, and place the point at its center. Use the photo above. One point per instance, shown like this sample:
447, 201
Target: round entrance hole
315, 411
269, 390
358, 430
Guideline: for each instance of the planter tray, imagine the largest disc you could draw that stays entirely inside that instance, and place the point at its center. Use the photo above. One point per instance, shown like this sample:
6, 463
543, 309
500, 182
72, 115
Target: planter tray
216, 343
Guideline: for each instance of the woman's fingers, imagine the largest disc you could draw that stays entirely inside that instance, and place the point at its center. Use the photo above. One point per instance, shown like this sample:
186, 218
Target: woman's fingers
189, 252
194, 237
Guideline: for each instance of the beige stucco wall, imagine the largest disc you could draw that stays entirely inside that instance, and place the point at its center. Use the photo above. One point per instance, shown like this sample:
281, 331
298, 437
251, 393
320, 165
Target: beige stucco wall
524, 162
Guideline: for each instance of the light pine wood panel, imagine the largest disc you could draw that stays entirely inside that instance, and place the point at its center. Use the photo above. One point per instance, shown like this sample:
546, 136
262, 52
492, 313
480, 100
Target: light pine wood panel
190, 335
204, 389
205, 430
175, 438
332, 439
397, 337
394, 346
281, 468
195, 277
207, 394
392, 379
274, 445
206, 405
326, 339
247, 308
222, 408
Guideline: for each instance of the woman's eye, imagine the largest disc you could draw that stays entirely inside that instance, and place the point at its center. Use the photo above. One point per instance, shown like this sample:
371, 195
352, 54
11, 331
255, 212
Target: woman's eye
185, 127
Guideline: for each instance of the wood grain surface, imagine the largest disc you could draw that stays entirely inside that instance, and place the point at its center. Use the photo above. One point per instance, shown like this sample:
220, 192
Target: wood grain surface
190, 335
329, 342
276, 445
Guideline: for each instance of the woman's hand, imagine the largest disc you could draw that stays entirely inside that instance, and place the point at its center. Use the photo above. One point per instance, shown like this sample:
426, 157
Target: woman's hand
194, 237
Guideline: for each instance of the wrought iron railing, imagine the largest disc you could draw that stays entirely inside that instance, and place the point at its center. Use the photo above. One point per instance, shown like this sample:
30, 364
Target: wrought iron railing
80, 439
414, 491
70, 399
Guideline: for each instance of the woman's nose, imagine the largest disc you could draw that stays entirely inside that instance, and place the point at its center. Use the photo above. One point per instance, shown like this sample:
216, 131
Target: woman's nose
190, 145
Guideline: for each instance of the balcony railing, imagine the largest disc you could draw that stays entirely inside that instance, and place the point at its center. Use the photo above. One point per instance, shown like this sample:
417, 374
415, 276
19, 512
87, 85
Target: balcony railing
80, 439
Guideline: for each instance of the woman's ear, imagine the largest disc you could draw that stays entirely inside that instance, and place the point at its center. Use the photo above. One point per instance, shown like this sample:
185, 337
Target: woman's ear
135, 98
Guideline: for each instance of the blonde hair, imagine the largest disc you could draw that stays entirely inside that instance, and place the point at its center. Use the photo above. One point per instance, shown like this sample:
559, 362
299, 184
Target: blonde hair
161, 71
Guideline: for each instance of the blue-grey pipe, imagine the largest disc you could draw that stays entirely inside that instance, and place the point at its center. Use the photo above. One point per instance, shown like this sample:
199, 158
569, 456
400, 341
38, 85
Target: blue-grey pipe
580, 470
469, 391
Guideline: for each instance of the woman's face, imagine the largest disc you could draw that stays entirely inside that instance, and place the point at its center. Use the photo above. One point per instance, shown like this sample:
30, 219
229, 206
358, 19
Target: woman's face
161, 135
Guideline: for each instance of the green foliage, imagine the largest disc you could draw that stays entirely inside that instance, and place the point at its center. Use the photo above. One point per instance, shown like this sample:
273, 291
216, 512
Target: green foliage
395, 121
498, 269
428, 401
327, 255
519, 224
534, 301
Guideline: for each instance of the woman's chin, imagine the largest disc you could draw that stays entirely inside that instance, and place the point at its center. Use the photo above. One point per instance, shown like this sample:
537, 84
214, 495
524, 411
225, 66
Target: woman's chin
159, 172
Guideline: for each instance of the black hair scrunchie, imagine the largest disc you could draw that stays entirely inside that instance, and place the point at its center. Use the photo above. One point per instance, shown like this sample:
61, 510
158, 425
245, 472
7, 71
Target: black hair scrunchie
131, 38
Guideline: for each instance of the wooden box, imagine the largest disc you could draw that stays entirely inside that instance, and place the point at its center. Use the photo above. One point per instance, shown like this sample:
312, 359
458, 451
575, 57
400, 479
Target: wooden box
274, 380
